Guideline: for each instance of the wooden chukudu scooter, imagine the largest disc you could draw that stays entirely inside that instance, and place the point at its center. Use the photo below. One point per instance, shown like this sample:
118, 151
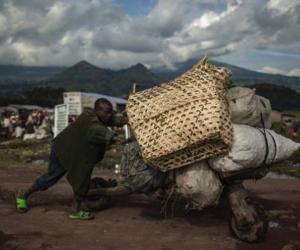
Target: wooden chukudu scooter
247, 221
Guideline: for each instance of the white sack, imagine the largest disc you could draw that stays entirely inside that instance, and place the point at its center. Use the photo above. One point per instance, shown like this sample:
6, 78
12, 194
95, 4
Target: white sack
199, 185
246, 107
249, 149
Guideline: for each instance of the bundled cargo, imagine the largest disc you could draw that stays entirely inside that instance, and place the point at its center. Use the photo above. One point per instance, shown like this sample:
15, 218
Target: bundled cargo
252, 148
196, 183
248, 108
199, 185
136, 175
185, 120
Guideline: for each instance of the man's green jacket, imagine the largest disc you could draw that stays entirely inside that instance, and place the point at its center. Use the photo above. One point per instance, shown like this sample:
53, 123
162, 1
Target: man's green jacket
79, 147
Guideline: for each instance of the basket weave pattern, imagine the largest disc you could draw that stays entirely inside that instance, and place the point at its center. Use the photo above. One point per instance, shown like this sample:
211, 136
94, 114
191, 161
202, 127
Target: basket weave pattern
184, 120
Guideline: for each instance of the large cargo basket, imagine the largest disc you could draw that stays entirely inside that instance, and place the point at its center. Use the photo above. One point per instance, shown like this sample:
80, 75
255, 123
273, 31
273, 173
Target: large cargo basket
185, 120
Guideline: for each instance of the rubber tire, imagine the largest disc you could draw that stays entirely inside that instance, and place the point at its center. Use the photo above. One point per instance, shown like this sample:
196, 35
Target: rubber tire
99, 204
256, 232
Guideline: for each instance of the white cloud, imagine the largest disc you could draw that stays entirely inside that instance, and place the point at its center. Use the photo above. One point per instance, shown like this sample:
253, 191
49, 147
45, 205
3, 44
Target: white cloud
282, 6
3, 25
168, 15
271, 70
206, 20
64, 32
274, 70
294, 72
209, 18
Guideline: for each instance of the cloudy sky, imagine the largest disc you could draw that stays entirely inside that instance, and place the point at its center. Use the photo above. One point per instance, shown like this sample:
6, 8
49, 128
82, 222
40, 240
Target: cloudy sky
261, 35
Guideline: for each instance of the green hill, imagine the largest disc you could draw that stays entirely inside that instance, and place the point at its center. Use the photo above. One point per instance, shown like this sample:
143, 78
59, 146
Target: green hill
281, 98
240, 76
17, 74
21, 84
84, 76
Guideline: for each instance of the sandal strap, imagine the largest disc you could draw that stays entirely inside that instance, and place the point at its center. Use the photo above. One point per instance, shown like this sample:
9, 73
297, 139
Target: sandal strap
21, 203
81, 215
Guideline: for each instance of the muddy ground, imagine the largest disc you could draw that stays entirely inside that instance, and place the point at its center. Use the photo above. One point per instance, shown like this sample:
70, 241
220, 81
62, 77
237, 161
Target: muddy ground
136, 223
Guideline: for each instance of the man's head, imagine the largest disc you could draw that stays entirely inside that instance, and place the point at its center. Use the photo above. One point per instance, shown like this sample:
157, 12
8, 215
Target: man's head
103, 109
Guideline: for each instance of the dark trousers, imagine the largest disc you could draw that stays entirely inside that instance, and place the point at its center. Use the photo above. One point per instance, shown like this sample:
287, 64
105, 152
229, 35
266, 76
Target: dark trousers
55, 172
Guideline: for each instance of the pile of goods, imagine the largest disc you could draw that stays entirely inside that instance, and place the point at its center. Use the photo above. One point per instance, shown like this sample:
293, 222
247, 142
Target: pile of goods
185, 120
196, 127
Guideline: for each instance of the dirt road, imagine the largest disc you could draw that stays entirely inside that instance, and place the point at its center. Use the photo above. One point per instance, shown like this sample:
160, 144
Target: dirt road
135, 223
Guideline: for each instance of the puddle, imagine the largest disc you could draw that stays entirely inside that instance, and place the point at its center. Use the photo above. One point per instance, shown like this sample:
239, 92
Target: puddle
38, 162
273, 175
273, 224
4, 238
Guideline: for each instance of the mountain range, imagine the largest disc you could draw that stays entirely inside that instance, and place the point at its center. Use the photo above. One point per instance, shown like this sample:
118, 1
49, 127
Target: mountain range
84, 76
240, 76
44, 85
16, 73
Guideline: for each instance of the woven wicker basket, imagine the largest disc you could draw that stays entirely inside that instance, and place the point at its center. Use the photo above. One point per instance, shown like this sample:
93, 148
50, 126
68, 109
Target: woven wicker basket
185, 120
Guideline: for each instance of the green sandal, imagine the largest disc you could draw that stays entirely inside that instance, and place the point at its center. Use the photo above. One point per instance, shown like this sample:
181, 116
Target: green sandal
81, 215
21, 205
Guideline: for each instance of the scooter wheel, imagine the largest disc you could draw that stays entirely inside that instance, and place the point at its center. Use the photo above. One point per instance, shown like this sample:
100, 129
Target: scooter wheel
255, 232
99, 204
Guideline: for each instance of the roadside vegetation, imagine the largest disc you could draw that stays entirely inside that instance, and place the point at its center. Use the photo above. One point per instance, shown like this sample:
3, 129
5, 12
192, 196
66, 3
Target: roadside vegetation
36, 153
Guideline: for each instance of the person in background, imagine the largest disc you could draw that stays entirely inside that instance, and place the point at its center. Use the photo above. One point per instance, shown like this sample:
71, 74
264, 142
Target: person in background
40, 118
296, 126
6, 125
29, 129
19, 130
75, 152
29, 125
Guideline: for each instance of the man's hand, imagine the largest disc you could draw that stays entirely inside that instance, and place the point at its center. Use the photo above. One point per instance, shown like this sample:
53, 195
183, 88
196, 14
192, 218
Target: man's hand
118, 119
124, 118
118, 140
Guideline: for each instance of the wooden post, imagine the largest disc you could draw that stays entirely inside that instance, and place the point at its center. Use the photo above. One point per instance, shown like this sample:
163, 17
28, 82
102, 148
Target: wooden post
134, 88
